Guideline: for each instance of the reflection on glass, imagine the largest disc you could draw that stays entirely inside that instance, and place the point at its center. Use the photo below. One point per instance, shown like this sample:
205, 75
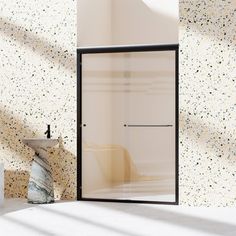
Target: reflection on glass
128, 143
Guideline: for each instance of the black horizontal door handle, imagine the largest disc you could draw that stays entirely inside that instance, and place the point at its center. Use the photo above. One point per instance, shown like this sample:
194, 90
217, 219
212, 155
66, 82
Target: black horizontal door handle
141, 125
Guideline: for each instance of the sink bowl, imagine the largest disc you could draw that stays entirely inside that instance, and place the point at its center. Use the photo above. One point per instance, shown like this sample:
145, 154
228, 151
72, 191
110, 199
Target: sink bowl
40, 188
40, 142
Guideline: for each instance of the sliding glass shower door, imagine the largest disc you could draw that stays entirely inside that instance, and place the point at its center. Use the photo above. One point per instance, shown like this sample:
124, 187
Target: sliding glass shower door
128, 143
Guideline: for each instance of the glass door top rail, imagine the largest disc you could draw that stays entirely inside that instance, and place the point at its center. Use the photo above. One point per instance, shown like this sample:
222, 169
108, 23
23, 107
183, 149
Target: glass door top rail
127, 48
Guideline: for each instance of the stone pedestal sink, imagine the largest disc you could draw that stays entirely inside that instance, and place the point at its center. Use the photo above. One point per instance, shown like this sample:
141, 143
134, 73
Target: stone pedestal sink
40, 188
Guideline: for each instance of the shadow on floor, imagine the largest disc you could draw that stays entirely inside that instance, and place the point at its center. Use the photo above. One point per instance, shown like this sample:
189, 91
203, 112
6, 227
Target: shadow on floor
89, 222
170, 217
28, 226
12, 205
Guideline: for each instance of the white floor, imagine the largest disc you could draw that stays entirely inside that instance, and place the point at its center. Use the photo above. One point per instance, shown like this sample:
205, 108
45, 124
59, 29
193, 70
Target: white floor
17, 218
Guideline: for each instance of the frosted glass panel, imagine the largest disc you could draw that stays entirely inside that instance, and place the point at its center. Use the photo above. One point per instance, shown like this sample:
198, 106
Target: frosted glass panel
128, 126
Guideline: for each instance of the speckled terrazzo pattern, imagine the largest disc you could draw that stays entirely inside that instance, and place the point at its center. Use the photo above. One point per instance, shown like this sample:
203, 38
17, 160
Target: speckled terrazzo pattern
207, 102
37, 69
38, 86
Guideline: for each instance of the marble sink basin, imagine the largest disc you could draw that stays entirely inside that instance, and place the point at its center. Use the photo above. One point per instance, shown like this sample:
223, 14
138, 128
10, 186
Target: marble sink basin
40, 188
40, 142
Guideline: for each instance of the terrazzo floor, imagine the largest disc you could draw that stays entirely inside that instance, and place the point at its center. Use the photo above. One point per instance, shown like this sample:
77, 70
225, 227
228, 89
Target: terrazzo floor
113, 219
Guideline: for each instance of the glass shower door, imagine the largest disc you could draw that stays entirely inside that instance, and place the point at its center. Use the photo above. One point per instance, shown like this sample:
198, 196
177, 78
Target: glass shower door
128, 126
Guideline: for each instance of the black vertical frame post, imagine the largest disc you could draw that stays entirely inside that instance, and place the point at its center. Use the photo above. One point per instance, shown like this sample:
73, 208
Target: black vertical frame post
123, 49
177, 125
79, 126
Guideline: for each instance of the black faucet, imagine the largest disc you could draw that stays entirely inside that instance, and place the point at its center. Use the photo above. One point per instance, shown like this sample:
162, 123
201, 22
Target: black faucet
48, 132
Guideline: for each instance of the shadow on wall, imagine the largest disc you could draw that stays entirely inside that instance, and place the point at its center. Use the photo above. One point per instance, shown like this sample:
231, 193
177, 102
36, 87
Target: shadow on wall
214, 19
16, 183
38, 45
13, 130
61, 160
220, 142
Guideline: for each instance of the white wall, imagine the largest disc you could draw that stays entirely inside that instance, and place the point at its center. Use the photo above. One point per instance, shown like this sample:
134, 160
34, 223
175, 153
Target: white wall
111, 22
94, 17
144, 21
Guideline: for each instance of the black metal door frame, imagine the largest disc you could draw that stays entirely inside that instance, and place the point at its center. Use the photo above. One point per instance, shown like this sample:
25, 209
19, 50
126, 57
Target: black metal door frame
122, 49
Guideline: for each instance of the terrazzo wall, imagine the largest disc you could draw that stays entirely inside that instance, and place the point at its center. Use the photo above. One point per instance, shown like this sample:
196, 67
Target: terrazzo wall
207, 102
38, 81
38, 87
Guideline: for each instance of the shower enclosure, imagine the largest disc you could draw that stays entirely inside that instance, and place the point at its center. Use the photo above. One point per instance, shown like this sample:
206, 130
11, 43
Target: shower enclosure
128, 124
